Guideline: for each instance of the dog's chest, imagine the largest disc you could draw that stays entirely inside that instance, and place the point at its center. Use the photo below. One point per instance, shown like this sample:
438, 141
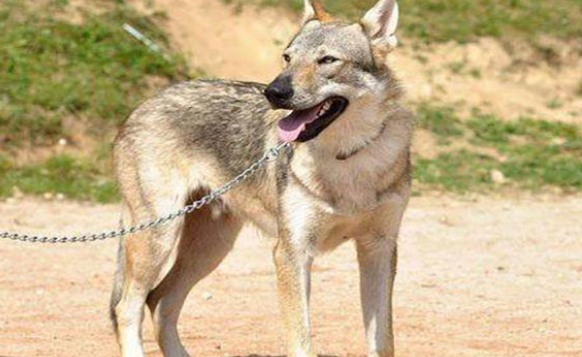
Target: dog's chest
343, 187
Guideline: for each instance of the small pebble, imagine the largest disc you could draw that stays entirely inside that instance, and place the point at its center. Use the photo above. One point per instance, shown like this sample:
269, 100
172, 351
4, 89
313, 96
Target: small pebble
16, 193
446, 221
498, 177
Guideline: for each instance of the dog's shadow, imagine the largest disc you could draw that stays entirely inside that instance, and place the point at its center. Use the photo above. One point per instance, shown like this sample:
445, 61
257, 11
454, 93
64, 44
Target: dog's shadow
257, 355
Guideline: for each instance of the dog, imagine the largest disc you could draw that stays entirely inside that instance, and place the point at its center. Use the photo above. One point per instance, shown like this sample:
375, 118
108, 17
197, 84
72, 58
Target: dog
348, 177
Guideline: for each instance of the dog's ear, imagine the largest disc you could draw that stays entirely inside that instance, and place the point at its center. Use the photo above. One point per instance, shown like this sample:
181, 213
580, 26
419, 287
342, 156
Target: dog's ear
314, 11
380, 24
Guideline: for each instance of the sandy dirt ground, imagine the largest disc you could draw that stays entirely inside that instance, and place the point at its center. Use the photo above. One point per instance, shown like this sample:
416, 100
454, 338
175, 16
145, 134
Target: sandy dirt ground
477, 277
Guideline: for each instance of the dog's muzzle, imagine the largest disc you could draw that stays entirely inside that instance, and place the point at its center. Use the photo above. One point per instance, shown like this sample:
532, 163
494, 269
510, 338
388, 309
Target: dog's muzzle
280, 92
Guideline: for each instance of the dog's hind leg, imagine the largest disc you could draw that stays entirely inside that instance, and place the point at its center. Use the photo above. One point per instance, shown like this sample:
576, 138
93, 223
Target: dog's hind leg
206, 240
143, 259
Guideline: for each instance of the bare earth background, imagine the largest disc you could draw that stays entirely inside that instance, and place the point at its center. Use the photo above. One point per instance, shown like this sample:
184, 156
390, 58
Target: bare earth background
477, 277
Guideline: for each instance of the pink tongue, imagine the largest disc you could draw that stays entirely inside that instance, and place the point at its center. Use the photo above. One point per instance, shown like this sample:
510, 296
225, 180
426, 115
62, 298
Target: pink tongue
291, 126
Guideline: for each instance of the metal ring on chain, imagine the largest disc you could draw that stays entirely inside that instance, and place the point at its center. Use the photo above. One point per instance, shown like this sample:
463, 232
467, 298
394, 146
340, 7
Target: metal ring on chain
269, 156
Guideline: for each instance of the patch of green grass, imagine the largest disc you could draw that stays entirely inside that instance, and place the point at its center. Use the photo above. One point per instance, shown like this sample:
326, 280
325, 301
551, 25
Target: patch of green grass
52, 69
545, 130
475, 73
54, 72
75, 178
458, 171
532, 165
442, 121
554, 104
536, 154
491, 130
457, 67
466, 20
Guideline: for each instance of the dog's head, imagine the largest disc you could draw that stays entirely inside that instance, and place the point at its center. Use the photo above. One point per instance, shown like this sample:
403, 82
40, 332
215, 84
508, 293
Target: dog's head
330, 66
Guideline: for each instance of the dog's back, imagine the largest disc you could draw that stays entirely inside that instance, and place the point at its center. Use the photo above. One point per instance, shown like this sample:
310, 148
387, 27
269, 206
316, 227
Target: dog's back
222, 118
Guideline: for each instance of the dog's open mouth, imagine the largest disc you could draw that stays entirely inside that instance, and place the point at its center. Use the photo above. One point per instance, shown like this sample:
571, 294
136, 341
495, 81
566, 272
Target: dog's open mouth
307, 124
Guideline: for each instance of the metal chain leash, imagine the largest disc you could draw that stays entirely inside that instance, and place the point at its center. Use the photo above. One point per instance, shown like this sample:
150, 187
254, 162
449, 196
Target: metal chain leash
269, 156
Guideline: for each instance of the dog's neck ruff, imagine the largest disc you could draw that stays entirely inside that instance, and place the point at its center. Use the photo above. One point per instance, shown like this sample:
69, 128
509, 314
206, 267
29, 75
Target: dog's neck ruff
354, 151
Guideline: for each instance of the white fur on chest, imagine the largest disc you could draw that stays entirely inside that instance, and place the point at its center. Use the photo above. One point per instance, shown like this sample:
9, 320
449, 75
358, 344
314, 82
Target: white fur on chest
352, 185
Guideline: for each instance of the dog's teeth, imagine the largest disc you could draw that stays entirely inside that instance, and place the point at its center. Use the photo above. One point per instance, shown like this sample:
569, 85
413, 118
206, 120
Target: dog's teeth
324, 108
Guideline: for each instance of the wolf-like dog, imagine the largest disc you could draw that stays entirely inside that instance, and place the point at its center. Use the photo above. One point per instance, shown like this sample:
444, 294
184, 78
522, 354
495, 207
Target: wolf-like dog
347, 178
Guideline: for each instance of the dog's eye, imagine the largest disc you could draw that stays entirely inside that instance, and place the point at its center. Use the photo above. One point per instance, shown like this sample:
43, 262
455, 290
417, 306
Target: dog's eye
287, 58
328, 60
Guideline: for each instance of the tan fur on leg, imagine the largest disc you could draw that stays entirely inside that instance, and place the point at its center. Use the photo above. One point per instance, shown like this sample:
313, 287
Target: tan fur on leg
206, 240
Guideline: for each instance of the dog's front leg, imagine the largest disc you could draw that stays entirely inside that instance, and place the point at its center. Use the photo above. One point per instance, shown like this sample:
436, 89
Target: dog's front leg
293, 265
377, 258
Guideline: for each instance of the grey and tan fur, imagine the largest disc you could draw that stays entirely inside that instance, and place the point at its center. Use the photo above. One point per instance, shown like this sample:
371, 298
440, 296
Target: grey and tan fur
347, 179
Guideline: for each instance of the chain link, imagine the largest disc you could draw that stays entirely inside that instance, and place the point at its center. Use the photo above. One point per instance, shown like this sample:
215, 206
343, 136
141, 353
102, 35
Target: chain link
269, 156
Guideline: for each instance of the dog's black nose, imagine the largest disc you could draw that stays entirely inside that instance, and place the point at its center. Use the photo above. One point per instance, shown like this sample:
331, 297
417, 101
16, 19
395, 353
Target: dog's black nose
280, 91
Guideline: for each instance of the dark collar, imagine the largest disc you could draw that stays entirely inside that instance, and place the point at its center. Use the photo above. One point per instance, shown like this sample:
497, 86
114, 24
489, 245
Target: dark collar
354, 151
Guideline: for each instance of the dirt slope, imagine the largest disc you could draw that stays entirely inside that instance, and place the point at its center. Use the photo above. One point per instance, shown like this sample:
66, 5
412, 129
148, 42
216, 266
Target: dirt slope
491, 277
510, 81
224, 42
